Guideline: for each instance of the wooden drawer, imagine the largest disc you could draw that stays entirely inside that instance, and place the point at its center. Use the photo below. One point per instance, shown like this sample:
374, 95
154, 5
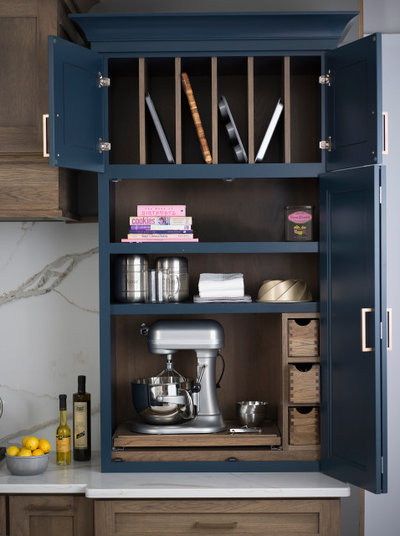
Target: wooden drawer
303, 337
222, 517
304, 426
304, 382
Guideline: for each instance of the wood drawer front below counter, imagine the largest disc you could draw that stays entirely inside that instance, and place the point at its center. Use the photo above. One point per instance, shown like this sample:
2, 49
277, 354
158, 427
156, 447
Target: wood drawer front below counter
227, 516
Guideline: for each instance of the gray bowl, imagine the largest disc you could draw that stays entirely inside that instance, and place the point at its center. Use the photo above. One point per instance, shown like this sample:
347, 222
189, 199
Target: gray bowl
27, 465
251, 413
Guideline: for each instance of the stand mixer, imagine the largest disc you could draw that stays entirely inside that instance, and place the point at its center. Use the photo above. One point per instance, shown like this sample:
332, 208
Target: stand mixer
172, 404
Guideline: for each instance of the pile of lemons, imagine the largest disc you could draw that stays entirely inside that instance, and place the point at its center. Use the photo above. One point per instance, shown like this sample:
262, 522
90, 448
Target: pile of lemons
31, 446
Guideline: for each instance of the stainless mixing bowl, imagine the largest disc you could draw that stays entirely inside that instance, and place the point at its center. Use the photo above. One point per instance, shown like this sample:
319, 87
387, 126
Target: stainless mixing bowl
149, 399
251, 413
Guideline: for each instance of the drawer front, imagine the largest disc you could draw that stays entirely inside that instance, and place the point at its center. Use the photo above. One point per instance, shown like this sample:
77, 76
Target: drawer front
303, 338
223, 524
304, 426
304, 384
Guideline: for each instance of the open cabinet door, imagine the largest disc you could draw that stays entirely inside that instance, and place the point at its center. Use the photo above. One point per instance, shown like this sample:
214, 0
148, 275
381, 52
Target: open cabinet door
354, 104
75, 106
353, 327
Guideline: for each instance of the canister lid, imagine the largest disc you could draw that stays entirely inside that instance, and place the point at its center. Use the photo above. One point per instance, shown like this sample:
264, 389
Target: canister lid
173, 264
133, 261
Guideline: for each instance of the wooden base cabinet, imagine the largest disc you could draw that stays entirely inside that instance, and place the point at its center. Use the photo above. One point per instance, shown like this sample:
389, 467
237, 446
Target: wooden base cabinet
226, 516
63, 515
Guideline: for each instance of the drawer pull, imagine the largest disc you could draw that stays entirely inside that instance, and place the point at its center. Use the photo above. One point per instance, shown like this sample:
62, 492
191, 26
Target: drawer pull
48, 508
211, 526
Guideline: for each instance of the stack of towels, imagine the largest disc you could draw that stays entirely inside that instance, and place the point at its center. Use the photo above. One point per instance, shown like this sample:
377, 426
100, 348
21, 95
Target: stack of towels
221, 288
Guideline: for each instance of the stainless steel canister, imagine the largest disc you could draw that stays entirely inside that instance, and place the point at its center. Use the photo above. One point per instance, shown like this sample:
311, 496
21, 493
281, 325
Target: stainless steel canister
172, 279
131, 278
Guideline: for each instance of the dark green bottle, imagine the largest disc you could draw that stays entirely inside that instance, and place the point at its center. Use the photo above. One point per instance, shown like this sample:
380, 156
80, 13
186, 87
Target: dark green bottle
81, 422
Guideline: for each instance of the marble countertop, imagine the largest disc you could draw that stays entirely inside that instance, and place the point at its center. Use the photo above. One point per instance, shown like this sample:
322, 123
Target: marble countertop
86, 478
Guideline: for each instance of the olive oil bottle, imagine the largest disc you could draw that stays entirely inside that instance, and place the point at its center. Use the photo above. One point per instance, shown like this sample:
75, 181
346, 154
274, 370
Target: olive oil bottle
81, 426
63, 435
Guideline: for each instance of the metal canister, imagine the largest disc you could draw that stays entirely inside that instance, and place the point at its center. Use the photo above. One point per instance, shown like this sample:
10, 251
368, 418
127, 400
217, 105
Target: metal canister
131, 278
172, 279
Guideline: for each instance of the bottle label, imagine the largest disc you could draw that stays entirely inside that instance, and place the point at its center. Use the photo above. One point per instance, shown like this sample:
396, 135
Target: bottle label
80, 425
63, 443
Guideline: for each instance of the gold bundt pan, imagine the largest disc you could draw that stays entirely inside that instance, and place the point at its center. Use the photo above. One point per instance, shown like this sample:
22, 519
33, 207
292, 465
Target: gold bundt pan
284, 290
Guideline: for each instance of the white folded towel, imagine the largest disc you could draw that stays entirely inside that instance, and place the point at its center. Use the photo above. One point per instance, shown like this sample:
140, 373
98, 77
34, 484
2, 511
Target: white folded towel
221, 285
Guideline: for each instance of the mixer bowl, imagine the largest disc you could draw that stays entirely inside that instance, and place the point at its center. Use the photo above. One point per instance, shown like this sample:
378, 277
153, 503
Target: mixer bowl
145, 398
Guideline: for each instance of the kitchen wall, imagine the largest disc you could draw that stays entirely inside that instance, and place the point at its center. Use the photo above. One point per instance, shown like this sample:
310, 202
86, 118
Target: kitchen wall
48, 324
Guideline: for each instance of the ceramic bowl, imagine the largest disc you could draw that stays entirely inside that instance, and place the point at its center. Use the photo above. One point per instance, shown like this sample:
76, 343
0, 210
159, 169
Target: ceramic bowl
27, 465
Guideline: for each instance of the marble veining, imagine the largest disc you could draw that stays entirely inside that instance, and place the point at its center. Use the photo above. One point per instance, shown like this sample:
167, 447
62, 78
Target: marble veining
48, 278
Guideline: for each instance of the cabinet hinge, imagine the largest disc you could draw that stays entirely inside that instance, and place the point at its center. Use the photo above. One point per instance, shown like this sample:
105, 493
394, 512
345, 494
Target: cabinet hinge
380, 195
325, 79
326, 144
103, 146
381, 328
103, 81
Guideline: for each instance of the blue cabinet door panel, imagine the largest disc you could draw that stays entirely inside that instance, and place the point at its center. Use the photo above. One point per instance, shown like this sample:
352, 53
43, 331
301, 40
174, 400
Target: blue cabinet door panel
354, 104
75, 106
353, 324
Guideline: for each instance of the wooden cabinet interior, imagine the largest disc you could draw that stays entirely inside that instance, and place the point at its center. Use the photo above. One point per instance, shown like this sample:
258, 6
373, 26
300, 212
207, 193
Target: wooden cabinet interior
252, 87
256, 369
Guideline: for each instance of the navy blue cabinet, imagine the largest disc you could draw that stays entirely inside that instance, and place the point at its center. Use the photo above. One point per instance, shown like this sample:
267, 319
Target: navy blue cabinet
331, 101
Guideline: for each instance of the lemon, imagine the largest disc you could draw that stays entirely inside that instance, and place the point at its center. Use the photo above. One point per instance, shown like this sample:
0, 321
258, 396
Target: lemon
37, 452
25, 452
44, 445
25, 440
13, 450
31, 443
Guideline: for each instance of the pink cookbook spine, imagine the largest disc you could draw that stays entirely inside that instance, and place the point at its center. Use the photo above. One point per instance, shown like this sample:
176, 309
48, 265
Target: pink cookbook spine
160, 240
161, 210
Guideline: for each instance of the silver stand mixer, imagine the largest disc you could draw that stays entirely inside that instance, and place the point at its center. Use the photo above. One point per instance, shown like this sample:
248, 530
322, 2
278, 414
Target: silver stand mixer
172, 404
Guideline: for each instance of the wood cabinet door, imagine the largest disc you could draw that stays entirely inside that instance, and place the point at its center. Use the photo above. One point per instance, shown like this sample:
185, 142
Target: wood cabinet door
3, 514
24, 26
64, 515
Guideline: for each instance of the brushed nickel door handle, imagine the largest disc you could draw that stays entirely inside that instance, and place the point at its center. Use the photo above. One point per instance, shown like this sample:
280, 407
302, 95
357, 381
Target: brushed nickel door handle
45, 118
211, 526
390, 332
364, 347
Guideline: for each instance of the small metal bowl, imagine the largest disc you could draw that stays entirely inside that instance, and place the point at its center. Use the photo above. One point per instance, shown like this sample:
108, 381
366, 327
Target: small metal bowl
251, 413
27, 465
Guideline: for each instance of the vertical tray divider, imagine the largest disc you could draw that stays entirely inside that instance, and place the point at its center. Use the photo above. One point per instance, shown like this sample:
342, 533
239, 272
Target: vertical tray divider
178, 111
214, 109
287, 110
142, 110
250, 108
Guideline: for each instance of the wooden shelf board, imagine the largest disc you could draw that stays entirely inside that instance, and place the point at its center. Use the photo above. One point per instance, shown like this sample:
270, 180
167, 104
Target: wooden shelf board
299, 360
270, 436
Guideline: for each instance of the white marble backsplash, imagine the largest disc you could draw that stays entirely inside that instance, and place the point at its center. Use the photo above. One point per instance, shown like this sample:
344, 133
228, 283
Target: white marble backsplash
49, 318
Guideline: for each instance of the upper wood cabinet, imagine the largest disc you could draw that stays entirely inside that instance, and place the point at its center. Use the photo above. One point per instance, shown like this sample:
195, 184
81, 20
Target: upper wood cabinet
29, 189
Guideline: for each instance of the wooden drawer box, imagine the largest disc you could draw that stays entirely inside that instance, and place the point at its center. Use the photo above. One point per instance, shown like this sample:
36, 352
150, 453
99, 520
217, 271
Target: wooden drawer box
303, 337
304, 426
209, 517
304, 384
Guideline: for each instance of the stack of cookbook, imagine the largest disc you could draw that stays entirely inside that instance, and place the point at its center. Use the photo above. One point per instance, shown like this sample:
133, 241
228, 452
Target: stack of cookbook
160, 223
